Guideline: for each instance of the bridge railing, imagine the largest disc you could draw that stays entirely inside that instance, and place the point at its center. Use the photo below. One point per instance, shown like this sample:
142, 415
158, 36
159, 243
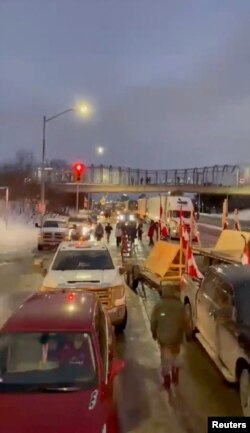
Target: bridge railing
226, 175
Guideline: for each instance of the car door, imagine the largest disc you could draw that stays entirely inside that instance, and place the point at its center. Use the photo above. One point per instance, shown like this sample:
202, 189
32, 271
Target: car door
205, 310
226, 325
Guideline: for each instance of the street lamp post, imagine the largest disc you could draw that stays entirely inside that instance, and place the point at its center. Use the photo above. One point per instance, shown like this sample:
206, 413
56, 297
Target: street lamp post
6, 189
83, 109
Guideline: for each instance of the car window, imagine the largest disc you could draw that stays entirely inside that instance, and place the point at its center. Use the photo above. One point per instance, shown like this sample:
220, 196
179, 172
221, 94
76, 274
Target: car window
208, 285
185, 214
73, 260
46, 360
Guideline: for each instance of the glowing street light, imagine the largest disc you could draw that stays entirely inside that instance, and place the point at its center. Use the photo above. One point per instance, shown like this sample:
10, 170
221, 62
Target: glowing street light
84, 109
100, 150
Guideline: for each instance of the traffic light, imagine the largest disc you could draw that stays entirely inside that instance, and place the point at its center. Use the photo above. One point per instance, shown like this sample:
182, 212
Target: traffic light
78, 171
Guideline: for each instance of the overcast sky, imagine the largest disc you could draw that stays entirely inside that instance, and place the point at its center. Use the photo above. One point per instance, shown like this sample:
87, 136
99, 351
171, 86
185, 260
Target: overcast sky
169, 80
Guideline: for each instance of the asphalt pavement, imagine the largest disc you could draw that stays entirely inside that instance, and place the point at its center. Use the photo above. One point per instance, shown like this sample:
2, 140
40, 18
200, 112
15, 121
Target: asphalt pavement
144, 406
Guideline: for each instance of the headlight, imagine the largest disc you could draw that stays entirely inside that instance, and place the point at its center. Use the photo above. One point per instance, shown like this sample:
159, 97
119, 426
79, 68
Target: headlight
85, 231
118, 292
122, 217
131, 218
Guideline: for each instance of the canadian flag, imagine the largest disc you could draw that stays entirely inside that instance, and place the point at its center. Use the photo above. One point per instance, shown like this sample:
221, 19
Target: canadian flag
245, 260
192, 268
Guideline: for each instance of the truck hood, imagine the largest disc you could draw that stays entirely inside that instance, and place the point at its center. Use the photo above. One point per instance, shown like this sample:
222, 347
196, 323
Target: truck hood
53, 230
51, 412
104, 278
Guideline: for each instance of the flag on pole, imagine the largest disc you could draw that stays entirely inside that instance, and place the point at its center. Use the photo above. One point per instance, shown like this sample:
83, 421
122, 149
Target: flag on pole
191, 266
225, 214
236, 220
245, 260
184, 236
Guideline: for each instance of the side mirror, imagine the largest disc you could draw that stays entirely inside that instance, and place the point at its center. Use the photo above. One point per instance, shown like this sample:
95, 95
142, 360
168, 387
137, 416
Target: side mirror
117, 366
122, 271
37, 226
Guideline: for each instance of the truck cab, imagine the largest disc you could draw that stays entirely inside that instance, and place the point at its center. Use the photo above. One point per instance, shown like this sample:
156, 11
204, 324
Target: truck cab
52, 232
88, 266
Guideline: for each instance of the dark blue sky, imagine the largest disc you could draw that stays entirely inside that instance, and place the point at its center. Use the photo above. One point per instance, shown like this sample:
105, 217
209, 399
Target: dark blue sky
170, 79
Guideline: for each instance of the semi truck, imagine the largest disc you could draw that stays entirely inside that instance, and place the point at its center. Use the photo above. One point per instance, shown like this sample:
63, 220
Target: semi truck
172, 206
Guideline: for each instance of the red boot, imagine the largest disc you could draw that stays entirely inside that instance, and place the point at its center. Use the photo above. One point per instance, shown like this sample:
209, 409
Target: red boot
167, 381
175, 375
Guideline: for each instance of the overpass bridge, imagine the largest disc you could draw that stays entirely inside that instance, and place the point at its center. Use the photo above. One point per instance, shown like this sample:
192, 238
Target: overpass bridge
103, 188
217, 179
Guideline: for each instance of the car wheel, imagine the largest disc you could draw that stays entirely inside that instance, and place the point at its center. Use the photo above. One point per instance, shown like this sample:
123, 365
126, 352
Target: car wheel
121, 327
40, 247
189, 331
245, 391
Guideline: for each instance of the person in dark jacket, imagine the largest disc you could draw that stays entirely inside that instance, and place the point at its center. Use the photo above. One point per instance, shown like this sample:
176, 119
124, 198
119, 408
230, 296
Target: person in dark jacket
168, 327
140, 231
151, 232
108, 230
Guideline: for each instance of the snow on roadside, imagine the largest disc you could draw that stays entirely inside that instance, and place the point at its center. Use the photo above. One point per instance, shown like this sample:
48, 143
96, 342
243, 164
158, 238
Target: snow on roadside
20, 235
244, 215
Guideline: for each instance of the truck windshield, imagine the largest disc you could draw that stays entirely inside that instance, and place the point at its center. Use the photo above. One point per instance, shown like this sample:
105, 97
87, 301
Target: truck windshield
185, 214
46, 361
55, 224
73, 260
79, 220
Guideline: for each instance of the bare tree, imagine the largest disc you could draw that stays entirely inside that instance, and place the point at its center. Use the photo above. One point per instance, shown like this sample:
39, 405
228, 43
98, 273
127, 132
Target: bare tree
24, 160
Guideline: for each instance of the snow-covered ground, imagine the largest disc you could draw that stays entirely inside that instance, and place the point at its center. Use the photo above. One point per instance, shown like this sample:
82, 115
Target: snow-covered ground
244, 215
19, 235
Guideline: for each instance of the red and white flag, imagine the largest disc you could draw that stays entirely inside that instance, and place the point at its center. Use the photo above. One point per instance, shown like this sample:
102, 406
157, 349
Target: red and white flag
245, 260
192, 268
184, 235
224, 215
236, 220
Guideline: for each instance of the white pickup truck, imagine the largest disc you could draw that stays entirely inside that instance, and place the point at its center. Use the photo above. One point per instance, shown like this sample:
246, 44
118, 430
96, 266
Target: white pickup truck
218, 313
52, 233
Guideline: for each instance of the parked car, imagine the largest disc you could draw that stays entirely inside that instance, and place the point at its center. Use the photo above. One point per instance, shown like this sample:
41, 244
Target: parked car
89, 266
52, 232
57, 366
218, 314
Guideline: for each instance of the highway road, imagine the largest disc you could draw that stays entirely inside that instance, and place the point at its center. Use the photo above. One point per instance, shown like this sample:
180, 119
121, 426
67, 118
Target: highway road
216, 221
144, 406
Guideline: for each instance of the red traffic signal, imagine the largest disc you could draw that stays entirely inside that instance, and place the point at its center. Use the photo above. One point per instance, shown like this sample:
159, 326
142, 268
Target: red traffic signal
78, 168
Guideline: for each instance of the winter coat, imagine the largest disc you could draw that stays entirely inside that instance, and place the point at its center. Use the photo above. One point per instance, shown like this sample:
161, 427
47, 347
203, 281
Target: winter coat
108, 229
151, 231
168, 320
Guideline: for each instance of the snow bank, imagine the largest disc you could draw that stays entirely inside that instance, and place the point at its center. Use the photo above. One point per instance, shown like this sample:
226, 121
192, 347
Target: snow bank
244, 215
20, 235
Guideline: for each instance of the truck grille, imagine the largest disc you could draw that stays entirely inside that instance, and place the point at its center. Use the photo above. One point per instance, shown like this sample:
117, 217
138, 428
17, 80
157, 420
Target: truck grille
105, 296
55, 236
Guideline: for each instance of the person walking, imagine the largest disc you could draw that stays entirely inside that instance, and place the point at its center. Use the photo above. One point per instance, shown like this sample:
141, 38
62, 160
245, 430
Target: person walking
99, 232
118, 234
168, 328
108, 230
140, 231
151, 232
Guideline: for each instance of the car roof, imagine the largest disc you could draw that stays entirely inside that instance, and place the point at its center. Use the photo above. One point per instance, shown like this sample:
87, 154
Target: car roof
54, 311
82, 245
236, 274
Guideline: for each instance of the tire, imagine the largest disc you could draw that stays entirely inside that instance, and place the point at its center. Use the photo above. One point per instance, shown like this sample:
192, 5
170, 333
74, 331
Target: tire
244, 385
121, 327
40, 247
189, 332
